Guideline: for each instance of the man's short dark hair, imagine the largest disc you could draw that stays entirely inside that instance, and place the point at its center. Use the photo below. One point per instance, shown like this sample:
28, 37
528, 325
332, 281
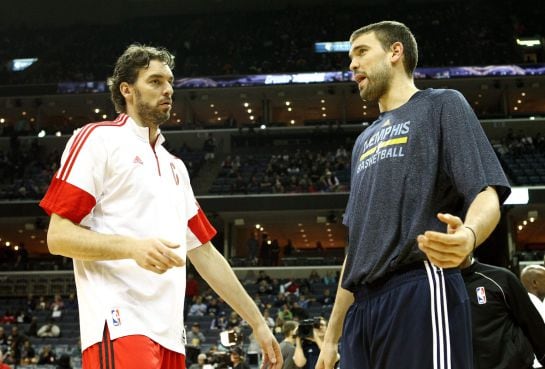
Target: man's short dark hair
134, 58
389, 32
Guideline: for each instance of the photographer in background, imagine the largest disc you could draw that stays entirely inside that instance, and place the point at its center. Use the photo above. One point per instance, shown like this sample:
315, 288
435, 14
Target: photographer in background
287, 346
308, 343
237, 358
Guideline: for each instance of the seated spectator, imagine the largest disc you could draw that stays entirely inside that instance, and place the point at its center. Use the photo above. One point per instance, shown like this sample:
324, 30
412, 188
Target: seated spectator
201, 361
198, 308
195, 337
7, 318
32, 330
314, 277
49, 329
285, 313
219, 322
47, 356
72, 302
192, 286
64, 362
3, 339
213, 308
56, 307
326, 300
28, 354
268, 319
234, 320
329, 278
298, 312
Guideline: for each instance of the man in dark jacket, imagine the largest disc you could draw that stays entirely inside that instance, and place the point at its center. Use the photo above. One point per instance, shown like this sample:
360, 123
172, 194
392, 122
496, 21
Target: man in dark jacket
507, 328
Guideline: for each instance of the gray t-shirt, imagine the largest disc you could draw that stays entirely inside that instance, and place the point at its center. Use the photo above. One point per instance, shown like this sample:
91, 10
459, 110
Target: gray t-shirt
428, 156
288, 350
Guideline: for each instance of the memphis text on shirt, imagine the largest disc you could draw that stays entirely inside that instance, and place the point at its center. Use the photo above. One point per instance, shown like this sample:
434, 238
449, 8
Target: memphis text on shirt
388, 142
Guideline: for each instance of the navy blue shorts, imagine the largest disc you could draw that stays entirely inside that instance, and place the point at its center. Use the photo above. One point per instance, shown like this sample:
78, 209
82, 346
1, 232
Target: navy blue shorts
417, 318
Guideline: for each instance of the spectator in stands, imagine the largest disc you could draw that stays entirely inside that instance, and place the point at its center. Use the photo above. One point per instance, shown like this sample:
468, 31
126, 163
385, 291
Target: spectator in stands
329, 278
201, 361
314, 277
64, 362
533, 279
219, 322
3, 339
285, 313
265, 250
213, 308
234, 320
198, 308
289, 249
252, 246
275, 252
47, 356
3, 365
72, 302
42, 303
209, 147
192, 287
49, 329
507, 329
298, 312
28, 354
195, 337
287, 346
332, 182
326, 300
32, 330
15, 342
268, 318
237, 358
30, 304
8, 318
57, 306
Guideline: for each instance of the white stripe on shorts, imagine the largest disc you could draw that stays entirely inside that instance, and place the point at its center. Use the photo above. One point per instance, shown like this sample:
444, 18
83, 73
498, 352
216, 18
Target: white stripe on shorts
439, 317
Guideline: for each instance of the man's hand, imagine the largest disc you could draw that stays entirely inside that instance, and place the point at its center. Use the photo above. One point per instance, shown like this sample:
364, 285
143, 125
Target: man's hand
272, 357
447, 250
328, 356
156, 255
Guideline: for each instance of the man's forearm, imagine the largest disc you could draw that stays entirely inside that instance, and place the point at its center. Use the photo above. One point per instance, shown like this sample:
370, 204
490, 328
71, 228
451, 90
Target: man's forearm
213, 267
71, 240
343, 300
483, 214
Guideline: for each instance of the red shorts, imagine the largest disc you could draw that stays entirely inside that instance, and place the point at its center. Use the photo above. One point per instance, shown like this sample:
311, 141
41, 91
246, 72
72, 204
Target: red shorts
130, 352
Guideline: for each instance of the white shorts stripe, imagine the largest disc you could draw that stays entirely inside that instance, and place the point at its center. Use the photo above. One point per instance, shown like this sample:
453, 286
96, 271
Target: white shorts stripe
439, 317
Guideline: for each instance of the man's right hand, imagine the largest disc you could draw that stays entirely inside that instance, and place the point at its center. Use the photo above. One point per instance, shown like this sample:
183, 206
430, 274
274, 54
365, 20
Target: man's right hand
157, 255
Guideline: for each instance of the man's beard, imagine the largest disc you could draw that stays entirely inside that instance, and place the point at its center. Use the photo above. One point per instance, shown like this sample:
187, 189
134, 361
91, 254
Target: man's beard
148, 113
378, 85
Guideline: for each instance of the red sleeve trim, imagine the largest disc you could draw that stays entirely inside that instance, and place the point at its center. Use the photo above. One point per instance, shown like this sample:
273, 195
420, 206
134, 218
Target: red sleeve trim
201, 227
67, 200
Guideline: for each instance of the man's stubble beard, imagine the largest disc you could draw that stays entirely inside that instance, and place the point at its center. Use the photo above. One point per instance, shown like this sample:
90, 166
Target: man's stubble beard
379, 85
149, 114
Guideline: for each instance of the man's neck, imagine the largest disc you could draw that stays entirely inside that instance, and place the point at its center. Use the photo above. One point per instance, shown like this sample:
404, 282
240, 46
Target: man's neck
400, 91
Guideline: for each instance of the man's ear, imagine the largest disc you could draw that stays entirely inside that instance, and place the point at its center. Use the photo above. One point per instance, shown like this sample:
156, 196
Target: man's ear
125, 89
397, 51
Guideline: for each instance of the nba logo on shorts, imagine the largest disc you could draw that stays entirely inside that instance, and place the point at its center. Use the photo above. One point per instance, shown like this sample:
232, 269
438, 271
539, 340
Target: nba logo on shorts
116, 319
481, 295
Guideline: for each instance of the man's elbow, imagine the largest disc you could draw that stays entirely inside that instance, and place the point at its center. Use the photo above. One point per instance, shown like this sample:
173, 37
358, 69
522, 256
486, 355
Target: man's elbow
53, 242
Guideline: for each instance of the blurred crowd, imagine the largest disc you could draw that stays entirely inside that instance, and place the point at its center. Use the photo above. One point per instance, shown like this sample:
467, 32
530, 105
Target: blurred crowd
246, 42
